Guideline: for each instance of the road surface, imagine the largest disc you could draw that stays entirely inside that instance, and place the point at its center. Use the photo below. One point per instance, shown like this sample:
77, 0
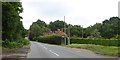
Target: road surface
41, 50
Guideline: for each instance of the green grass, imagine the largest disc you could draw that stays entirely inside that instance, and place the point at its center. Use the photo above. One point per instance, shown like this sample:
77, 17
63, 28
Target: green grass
104, 50
15, 44
0, 47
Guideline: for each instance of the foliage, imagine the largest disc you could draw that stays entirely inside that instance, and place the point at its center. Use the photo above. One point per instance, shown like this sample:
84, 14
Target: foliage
35, 31
76, 30
38, 28
24, 33
15, 44
13, 31
104, 42
40, 23
12, 28
107, 29
51, 39
110, 27
57, 25
104, 50
92, 31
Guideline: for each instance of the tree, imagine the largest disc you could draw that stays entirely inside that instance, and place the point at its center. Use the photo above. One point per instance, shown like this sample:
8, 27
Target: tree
87, 31
57, 25
11, 24
95, 33
35, 31
93, 30
38, 28
110, 28
76, 30
41, 23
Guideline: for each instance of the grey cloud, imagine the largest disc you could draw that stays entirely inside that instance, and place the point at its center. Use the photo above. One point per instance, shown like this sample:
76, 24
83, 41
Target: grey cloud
50, 9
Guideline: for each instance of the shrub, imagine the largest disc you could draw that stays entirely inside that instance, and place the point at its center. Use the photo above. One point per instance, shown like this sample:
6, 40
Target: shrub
51, 39
103, 42
15, 44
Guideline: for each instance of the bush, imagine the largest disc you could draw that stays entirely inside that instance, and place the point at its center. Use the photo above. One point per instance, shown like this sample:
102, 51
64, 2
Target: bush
51, 39
15, 44
103, 42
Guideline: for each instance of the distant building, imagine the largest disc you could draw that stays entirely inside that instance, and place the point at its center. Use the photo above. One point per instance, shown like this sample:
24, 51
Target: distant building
58, 32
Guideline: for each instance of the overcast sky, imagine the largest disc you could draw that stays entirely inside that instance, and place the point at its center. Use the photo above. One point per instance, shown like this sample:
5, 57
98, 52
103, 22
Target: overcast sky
77, 12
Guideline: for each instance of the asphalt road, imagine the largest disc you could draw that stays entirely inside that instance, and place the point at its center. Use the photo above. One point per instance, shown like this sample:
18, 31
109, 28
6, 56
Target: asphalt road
41, 50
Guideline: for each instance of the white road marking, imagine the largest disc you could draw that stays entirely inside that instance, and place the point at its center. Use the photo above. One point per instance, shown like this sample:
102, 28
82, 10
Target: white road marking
54, 53
49, 50
45, 48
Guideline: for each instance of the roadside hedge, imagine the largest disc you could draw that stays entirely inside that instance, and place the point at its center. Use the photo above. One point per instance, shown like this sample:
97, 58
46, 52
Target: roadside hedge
103, 42
50, 39
15, 44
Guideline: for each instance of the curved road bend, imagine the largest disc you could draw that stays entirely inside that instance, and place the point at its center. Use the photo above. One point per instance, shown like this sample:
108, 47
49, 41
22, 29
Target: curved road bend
41, 50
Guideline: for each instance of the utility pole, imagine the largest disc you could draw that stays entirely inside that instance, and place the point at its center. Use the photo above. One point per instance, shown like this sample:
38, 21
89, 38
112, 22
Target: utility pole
65, 30
69, 35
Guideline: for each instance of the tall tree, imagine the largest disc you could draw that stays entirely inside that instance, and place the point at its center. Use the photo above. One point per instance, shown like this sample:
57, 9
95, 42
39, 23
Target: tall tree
11, 24
76, 30
93, 30
57, 25
38, 28
41, 23
110, 28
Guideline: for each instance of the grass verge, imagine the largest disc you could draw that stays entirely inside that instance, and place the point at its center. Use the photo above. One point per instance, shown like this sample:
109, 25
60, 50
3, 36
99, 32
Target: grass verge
104, 50
6, 45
